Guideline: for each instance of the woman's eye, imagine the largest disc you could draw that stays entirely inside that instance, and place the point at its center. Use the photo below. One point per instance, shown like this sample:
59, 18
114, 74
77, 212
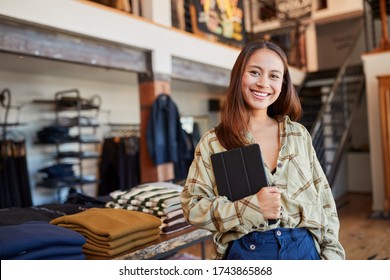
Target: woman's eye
275, 77
254, 73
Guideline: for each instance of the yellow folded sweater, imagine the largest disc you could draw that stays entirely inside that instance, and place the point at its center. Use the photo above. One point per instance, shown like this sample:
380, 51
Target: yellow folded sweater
107, 224
90, 250
119, 242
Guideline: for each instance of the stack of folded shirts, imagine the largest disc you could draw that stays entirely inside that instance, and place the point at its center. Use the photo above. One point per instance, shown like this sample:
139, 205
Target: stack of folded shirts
160, 200
111, 232
39, 240
173, 222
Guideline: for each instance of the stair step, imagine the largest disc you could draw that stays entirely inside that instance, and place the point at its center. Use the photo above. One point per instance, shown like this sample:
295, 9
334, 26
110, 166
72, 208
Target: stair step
310, 96
313, 92
319, 82
308, 106
333, 123
323, 73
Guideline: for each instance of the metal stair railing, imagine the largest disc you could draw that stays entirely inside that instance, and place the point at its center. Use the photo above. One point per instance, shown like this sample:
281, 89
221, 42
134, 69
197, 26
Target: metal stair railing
331, 129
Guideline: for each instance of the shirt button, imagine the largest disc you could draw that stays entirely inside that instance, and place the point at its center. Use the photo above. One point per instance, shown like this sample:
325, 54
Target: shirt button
280, 164
252, 247
278, 233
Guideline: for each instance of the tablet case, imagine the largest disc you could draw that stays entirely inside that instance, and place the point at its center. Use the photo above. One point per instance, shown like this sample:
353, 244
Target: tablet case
239, 172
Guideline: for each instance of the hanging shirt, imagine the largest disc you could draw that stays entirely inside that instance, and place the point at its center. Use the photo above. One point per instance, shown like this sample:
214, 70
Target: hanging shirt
165, 137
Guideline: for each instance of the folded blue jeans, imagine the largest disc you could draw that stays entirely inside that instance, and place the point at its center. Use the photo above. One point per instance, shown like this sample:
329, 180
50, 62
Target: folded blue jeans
276, 244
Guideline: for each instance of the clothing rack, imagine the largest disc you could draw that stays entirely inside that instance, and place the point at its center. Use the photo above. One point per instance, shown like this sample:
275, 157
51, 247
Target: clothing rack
120, 158
120, 130
14, 177
123, 130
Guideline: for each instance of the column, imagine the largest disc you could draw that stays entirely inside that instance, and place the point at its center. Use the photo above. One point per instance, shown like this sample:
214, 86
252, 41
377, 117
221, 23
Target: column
151, 86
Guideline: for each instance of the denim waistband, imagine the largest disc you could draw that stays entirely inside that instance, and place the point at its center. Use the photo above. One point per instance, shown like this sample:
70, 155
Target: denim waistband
280, 233
276, 244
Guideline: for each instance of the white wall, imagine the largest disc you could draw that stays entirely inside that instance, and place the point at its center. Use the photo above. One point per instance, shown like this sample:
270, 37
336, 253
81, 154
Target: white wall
152, 10
374, 66
359, 172
335, 40
192, 99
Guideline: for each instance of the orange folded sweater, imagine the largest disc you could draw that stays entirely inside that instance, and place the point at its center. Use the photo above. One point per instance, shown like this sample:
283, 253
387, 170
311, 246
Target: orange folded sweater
107, 224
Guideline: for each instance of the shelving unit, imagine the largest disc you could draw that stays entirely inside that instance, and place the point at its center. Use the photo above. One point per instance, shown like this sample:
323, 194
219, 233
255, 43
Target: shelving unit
79, 117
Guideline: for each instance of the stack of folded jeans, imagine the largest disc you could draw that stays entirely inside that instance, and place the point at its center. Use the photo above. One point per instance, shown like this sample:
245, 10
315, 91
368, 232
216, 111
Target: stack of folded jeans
54, 134
58, 175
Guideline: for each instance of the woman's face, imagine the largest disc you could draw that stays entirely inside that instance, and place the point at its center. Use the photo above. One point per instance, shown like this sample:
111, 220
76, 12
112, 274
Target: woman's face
262, 79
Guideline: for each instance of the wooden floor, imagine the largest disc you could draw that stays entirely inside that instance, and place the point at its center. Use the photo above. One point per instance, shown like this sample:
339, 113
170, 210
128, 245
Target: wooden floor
363, 235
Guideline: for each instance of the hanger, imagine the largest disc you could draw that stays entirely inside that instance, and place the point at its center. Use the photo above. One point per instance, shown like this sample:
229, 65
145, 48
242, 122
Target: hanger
120, 130
13, 135
123, 130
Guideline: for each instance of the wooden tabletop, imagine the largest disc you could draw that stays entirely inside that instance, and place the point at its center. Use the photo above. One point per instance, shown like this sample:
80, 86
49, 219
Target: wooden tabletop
167, 244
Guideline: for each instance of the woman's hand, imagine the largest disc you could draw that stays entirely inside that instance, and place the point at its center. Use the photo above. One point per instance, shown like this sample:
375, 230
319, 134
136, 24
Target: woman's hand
270, 202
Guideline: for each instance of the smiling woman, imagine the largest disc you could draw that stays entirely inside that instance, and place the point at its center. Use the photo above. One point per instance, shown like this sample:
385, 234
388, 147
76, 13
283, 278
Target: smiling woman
262, 80
295, 216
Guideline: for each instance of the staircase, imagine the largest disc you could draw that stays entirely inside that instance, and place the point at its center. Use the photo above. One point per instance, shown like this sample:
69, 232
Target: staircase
314, 89
329, 100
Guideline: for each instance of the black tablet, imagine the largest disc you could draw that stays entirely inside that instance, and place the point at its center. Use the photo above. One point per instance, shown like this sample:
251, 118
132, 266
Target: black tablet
239, 172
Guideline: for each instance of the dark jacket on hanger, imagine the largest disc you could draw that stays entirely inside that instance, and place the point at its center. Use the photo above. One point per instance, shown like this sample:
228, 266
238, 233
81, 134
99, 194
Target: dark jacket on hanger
166, 139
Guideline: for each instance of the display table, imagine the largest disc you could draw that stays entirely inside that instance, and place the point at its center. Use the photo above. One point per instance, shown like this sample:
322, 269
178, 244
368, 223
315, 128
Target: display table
167, 245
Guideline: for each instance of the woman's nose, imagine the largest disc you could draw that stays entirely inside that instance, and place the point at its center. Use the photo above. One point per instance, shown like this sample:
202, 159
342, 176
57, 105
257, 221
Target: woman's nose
261, 82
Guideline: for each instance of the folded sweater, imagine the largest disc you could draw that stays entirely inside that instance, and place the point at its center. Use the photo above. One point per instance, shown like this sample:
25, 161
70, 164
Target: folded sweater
109, 224
110, 254
94, 240
33, 235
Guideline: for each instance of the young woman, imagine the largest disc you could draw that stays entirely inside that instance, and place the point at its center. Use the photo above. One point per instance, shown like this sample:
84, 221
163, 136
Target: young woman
261, 107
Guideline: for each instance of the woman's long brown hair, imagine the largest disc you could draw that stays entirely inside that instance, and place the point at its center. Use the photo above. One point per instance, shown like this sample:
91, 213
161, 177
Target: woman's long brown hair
234, 111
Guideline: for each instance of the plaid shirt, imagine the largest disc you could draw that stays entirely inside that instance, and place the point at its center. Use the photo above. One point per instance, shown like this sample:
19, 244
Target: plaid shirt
307, 199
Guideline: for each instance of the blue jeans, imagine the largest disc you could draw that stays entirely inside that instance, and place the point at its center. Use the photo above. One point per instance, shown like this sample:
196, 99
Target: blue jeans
276, 244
